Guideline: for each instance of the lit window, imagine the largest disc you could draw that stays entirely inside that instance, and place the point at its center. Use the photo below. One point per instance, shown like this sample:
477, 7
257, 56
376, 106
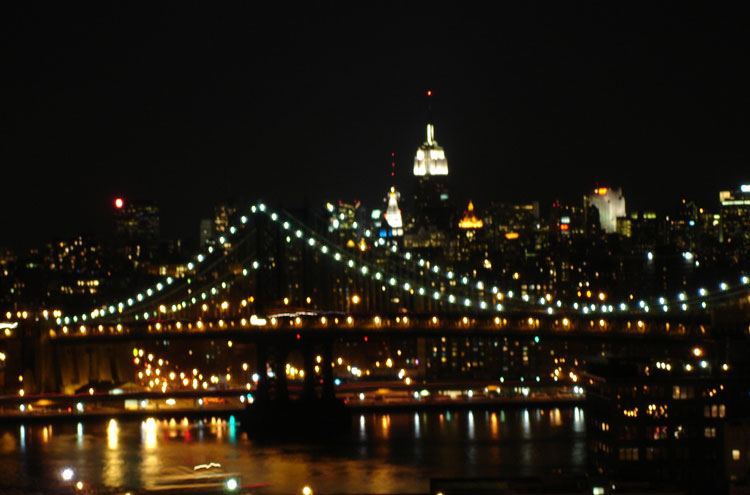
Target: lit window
735, 454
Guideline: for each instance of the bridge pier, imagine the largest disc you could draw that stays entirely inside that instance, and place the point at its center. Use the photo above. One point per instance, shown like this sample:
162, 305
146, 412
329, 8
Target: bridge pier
281, 392
308, 390
262, 394
275, 414
328, 393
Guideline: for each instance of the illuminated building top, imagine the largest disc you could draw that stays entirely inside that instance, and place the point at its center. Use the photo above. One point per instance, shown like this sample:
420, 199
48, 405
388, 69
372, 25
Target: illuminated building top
611, 205
393, 213
470, 221
430, 158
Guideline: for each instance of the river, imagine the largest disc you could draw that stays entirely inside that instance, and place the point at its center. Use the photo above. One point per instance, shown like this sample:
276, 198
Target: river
382, 453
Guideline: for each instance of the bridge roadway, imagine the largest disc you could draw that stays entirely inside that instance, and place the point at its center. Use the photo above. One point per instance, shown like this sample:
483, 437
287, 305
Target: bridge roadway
559, 327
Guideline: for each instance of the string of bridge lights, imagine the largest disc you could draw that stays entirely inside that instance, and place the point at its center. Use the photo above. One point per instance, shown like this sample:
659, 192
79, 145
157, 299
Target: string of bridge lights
130, 304
303, 233
682, 300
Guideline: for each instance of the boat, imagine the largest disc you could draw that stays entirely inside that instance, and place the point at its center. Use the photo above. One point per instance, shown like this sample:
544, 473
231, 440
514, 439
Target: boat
201, 479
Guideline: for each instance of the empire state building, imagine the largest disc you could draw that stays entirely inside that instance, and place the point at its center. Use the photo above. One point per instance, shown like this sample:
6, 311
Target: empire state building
432, 207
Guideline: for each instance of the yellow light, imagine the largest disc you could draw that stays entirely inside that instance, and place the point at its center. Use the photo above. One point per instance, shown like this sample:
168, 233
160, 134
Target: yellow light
307, 491
697, 351
224, 305
511, 235
286, 301
516, 276
204, 307
355, 299
162, 309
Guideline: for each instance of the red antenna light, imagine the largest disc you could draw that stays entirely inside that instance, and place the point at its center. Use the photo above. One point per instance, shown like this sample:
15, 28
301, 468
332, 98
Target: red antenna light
429, 92
119, 203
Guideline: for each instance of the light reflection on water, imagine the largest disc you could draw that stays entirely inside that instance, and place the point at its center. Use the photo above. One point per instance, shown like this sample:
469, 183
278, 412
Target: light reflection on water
383, 453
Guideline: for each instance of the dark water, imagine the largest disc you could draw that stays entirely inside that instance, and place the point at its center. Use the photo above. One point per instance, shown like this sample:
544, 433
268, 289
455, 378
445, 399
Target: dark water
383, 453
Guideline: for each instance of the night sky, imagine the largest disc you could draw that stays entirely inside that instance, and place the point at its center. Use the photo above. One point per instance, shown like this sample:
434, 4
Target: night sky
190, 105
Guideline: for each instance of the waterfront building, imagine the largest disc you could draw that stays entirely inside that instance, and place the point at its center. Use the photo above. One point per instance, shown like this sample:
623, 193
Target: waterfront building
667, 421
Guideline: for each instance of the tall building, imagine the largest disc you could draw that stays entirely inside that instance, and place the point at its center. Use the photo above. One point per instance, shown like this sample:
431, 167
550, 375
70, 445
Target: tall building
393, 216
735, 216
432, 207
611, 205
222, 214
206, 232
136, 221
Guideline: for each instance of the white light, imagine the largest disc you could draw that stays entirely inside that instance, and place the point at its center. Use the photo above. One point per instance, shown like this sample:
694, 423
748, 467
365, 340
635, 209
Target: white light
650, 255
67, 474
232, 484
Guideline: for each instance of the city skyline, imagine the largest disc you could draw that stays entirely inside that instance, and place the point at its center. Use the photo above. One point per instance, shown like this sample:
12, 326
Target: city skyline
540, 103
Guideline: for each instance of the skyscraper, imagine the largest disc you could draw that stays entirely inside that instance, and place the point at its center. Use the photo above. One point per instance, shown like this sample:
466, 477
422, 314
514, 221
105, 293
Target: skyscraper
735, 216
610, 203
136, 221
432, 207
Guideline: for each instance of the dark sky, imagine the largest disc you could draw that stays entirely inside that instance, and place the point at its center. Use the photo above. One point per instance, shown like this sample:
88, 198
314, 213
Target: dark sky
189, 105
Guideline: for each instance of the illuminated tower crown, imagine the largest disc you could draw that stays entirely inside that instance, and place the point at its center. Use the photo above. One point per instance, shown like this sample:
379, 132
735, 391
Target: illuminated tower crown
430, 158
393, 213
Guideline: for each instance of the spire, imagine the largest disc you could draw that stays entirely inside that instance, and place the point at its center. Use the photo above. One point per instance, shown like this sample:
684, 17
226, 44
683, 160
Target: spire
430, 158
